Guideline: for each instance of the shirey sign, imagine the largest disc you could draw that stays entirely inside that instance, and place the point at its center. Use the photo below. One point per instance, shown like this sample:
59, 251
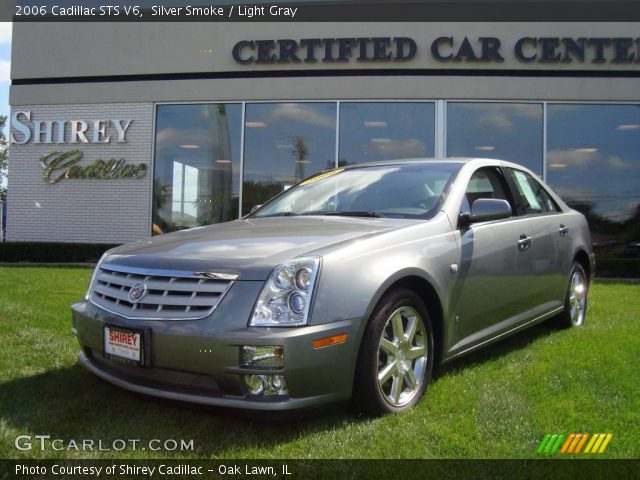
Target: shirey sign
61, 165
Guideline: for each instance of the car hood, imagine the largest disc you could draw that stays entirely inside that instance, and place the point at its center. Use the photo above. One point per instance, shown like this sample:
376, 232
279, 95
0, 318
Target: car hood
250, 248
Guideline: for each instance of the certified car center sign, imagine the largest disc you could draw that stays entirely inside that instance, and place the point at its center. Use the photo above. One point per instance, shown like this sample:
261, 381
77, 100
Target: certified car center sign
442, 49
67, 163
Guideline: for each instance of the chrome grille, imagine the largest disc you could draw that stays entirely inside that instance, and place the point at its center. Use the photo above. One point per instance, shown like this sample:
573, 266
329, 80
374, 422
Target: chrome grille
168, 295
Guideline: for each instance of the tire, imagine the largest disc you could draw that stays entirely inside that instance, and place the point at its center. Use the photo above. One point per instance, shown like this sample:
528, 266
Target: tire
394, 367
575, 302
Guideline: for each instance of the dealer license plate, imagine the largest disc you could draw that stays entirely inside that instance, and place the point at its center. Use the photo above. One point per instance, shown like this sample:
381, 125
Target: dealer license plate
122, 343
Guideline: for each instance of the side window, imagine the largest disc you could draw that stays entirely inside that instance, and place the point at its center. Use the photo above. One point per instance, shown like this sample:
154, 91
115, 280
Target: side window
549, 202
485, 183
533, 198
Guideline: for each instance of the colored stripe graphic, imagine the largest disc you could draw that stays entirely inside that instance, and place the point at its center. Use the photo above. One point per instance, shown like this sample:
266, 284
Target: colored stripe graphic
550, 444
567, 443
573, 443
599, 440
556, 446
590, 444
596, 446
576, 446
543, 443
599, 443
581, 443
606, 442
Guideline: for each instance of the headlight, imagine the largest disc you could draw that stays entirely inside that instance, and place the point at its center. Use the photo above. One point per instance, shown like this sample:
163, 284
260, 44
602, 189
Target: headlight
286, 298
95, 274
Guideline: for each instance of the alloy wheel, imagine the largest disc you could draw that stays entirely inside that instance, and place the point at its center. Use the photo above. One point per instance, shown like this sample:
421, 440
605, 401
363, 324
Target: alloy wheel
577, 297
402, 356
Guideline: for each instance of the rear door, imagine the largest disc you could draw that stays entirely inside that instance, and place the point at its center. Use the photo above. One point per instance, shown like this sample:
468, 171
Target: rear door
549, 240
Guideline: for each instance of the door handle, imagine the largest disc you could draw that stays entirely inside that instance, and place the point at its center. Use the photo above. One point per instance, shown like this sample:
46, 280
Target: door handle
524, 243
563, 230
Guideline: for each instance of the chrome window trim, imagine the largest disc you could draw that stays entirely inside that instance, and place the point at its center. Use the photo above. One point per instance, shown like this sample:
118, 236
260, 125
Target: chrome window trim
231, 278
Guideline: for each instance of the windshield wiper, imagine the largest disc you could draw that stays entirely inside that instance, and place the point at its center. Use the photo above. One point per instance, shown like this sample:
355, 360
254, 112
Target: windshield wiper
353, 213
279, 214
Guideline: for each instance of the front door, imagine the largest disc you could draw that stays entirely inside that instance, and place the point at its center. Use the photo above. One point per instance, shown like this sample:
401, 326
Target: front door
495, 257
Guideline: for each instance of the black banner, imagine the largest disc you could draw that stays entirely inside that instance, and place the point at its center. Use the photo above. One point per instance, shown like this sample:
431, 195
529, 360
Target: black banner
322, 469
328, 11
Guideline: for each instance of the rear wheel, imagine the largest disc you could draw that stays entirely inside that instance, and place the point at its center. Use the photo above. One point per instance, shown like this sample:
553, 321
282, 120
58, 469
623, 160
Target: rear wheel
396, 356
575, 304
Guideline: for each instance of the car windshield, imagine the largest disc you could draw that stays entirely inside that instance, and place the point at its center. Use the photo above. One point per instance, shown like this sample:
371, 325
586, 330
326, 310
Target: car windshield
409, 190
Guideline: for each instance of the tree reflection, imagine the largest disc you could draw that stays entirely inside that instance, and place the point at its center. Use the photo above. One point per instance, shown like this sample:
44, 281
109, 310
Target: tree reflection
616, 243
197, 147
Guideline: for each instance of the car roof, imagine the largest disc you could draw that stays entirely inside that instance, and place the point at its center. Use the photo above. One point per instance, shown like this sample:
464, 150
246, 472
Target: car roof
463, 160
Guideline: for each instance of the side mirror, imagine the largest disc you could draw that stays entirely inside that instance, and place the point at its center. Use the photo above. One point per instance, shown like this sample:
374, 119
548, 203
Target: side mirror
254, 209
488, 209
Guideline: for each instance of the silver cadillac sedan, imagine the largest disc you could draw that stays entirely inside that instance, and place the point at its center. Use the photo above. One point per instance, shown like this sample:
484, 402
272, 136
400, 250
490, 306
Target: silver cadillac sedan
352, 284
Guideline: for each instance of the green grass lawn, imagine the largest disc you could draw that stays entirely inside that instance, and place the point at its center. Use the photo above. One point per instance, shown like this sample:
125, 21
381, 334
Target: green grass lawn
496, 403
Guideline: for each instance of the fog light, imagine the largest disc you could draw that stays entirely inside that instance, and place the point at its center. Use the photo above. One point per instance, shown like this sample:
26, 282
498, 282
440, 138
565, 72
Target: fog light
276, 383
254, 384
262, 356
266, 384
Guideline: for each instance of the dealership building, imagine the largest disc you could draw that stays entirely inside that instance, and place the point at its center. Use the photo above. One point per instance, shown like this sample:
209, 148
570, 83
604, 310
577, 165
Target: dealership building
125, 130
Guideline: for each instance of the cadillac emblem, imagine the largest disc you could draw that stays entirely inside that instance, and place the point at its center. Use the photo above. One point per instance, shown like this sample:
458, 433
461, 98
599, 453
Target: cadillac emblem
137, 292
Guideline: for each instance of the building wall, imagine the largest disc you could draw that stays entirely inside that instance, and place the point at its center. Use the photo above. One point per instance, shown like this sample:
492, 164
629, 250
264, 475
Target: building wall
133, 48
175, 48
334, 88
82, 210
193, 63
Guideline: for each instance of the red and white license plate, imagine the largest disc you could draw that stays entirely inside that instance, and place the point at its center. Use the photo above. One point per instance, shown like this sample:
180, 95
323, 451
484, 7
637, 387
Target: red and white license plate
123, 343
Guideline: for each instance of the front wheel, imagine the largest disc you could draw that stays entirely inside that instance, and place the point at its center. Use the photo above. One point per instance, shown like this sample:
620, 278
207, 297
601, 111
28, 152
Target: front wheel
575, 304
396, 355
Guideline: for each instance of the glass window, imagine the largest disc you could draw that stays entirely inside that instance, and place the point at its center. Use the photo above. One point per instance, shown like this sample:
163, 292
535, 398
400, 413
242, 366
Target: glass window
375, 131
533, 198
508, 131
485, 183
410, 190
284, 143
197, 165
594, 165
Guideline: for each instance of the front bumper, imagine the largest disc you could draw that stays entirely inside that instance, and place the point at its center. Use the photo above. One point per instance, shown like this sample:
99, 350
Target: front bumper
194, 361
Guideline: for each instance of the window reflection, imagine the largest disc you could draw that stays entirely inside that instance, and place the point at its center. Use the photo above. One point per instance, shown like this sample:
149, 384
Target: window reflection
376, 131
594, 164
411, 190
284, 143
593, 155
508, 131
196, 170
